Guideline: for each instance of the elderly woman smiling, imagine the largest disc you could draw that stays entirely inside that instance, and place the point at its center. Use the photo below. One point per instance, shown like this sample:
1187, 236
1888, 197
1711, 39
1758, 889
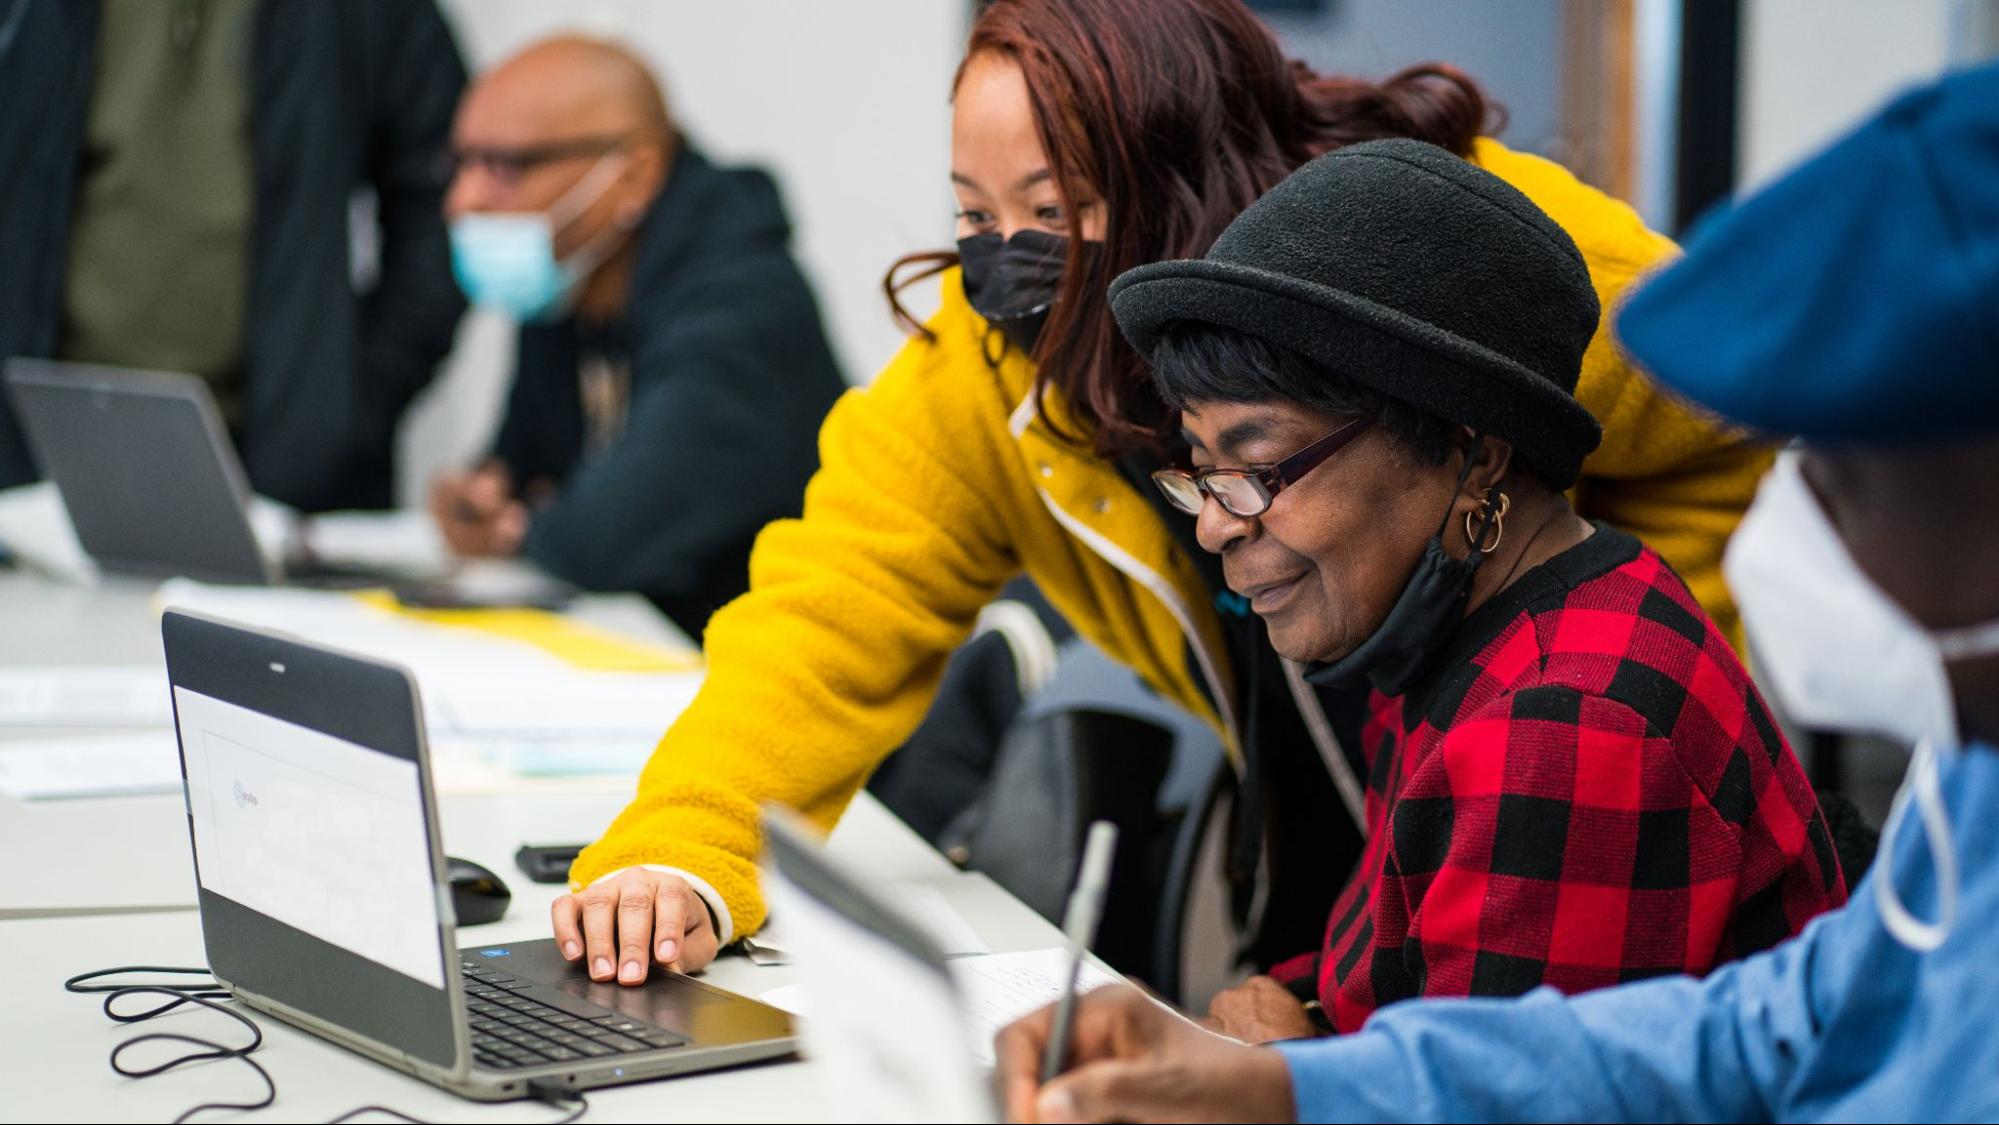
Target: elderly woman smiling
1571, 779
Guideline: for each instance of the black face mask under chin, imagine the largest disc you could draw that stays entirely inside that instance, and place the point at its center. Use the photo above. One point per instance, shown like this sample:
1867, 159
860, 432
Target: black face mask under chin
1422, 619
1013, 282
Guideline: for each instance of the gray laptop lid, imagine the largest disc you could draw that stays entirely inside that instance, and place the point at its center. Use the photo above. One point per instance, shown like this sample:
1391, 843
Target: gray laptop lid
313, 824
144, 466
887, 1025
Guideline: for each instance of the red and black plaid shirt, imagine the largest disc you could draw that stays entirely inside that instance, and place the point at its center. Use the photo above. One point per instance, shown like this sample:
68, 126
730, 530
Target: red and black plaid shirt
1588, 790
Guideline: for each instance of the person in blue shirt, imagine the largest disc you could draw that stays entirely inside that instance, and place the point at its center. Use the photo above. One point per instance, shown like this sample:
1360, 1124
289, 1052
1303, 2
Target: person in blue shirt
1855, 305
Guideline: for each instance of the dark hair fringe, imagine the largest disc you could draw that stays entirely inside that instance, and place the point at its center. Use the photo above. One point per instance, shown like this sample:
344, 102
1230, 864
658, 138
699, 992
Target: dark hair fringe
1175, 115
1194, 361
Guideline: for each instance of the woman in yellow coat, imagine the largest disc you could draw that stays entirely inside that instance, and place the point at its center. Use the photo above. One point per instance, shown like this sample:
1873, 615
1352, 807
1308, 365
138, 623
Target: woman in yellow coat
1088, 137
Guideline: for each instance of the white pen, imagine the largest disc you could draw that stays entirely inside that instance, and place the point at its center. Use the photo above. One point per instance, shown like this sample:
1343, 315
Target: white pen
1079, 925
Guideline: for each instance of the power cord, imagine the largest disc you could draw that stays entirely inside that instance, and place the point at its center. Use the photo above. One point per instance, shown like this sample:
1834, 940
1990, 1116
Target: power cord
208, 993
575, 1103
572, 1100
205, 993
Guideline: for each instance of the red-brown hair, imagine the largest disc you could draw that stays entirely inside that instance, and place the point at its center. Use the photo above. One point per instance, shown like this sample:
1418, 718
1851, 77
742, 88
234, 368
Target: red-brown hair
1175, 115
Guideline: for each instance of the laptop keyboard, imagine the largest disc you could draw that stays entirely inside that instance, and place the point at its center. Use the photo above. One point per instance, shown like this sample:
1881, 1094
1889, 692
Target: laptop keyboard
510, 1030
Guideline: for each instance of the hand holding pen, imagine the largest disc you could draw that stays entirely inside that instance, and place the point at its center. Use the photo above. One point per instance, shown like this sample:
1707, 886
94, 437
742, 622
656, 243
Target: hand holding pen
1121, 1055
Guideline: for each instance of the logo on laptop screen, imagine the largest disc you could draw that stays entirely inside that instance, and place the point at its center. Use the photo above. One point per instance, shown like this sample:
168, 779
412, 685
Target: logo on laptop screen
496, 953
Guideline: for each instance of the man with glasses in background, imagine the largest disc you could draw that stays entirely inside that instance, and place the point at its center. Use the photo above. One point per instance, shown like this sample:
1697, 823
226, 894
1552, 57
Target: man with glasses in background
672, 369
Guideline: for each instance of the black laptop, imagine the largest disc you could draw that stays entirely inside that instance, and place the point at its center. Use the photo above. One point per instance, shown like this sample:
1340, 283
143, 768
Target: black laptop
324, 898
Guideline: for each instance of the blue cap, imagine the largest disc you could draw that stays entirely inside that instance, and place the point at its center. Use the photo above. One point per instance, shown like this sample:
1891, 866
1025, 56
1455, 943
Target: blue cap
1856, 300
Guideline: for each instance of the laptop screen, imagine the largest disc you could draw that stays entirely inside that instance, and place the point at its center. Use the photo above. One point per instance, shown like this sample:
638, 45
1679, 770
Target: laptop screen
312, 826
313, 831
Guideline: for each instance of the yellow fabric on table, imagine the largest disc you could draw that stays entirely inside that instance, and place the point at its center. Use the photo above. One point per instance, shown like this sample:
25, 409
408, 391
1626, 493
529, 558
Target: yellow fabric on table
575, 643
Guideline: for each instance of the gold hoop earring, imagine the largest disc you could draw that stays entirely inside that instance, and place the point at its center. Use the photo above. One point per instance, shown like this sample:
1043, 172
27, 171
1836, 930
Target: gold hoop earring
1498, 527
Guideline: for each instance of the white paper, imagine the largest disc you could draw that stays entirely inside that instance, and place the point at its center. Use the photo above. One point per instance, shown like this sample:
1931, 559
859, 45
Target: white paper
922, 905
113, 765
405, 540
56, 695
329, 617
472, 682
35, 526
273, 525
552, 755
791, 998
999, 988
561, 701
927, 906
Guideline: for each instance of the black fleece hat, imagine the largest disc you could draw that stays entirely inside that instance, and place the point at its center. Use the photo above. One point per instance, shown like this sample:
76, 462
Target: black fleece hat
1411, 272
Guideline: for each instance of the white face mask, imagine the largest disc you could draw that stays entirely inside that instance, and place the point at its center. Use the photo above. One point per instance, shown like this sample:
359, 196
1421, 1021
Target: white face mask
1840, 655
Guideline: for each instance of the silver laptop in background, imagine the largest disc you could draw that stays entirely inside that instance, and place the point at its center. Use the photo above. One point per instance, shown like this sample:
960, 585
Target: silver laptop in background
325, 901
145, 468
152, 483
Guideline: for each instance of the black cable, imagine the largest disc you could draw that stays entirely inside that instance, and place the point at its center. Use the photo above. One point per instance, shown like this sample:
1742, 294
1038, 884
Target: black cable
206, 993
561, 1099
398, 1114
81, 982
211, 1049
571, 1100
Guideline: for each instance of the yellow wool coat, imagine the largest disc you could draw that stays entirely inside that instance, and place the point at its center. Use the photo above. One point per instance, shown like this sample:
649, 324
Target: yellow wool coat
938, 483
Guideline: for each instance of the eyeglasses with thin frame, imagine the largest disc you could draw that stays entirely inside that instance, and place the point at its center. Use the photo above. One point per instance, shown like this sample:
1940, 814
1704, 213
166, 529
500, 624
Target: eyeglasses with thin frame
509, 165
1247, 493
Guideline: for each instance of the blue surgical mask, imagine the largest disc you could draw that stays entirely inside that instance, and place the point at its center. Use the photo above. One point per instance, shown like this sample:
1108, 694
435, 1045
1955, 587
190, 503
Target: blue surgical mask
506, 260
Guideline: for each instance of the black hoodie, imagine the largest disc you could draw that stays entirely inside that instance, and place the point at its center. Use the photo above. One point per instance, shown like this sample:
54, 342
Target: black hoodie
731, 375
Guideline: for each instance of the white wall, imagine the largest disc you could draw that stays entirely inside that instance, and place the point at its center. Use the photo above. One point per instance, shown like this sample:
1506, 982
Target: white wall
847, 103
1812, 68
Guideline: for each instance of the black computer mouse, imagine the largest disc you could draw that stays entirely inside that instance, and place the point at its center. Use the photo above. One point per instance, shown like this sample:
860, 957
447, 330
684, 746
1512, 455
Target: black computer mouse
477, 895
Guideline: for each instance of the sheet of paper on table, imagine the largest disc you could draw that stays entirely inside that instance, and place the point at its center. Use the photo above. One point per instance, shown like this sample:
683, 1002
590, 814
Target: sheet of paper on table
996, 989
921, 904
35, 527
105, 765
472, 682
927, 904
405, 540
56, 695
792, 998
619, 714
147, 761
999, 988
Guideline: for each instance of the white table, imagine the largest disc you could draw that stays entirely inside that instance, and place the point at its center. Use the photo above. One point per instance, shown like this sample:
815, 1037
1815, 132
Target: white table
89, 884
53, 1044
131, 853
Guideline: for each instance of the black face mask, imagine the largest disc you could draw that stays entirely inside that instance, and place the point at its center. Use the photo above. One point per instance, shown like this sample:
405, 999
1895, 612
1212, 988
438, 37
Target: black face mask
1422, 619
1012, 282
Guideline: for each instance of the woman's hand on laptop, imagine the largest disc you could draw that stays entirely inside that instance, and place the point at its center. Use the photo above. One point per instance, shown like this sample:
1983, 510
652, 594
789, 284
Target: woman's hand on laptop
630, 920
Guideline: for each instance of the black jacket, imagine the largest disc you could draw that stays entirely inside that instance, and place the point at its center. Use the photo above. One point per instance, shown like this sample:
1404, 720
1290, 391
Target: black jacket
730, 377
349, 97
